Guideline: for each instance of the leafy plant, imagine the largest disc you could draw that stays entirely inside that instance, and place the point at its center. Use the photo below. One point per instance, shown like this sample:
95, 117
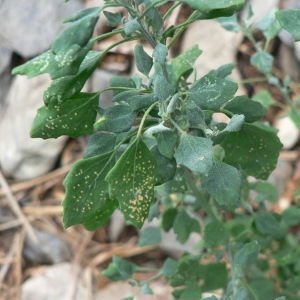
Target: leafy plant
160, 139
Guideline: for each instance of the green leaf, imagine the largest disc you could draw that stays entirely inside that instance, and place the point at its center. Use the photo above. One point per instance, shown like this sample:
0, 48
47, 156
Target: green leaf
63, 88
291, 216
216, 8
166, 141
281, 298
185, 61
116, 119
86, 190
81, 14
114, 19
192, 291
195, 153
78, 33
263, 61
166, 167
146, 290
132, 182
162, 89
267, 224
119, 269
295, 116
223, 71
150, 236
154, 212
288, 20
65, 62
235, 124
215, 234
125, 96
74, 117
230, 23
132, 26
195, 114
264, 98
169, 267
100, 143
154, 19
169, 218
269, 25
223, 183
265, 191
246, 256
241, 294
177, 184
184, 225
211, 92
101, 216
144, 62
140, 102
254, 148
160, 53
119, 82
252, 110
214, 276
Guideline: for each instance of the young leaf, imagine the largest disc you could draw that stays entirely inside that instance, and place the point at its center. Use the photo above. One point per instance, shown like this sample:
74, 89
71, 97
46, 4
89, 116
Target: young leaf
132, 182
263, 61
184, 225
119, 269
100, 143
264, 98
63, 88
169, 267
195, 153
211, 92
195, 114
223, 183
216, 8
269, 26
166, 141
162, 89
116, 119
246, 256
185, 61
267, 224
146, 290
101, 216
140, 102
254, 148
215, 234
160, 53
150, 236
154, 18
166, 167
114, 19
86, 190
252, 110
131, 26
235, 123
230, 23
144, 62
288, 20
74, 117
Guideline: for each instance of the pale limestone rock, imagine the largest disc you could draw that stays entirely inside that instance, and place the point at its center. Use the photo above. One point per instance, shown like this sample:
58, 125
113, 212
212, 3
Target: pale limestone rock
21, 156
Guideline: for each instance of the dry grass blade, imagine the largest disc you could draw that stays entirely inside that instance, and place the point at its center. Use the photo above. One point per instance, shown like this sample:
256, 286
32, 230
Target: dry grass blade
43, 210
18, 264
12, 201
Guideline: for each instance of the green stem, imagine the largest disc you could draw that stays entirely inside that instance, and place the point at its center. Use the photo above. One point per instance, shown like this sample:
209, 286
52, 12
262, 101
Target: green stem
171, 10
111, 88
147, 35
176, 126
144, 119
109, 34
182, 28
198, 195
247, 286
148, 9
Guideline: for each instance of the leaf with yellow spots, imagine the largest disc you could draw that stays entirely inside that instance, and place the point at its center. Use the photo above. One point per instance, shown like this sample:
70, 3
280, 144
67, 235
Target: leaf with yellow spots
255, 148
132, 181
74, 117
86, 189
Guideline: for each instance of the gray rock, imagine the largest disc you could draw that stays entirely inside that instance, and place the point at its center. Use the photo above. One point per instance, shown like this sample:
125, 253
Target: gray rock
50, 250
28, 27
21, 156
5, 58
53, 284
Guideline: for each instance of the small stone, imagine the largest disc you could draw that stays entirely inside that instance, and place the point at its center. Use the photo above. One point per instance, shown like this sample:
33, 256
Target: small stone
50, 249
54, 283
288, 132
21, 156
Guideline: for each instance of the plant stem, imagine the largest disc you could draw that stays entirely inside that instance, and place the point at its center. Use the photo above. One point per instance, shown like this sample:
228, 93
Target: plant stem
144, 119
246, 285
170, 10
109, 34
176, 126
194, 188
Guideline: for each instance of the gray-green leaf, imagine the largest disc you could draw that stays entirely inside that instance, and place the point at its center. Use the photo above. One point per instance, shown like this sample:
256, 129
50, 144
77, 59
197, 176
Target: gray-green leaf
143, 61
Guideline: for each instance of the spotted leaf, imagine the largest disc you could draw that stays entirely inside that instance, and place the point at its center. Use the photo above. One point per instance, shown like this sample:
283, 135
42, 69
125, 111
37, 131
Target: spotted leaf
86, 189
74, 117
195, 153
132, 182
255, 148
